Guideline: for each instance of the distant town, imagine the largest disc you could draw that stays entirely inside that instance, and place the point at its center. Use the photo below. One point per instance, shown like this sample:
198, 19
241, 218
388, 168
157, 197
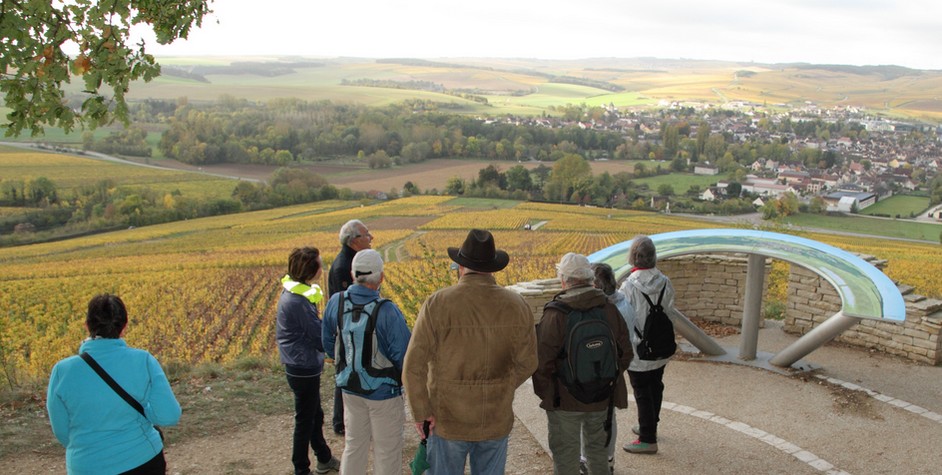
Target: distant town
876, 158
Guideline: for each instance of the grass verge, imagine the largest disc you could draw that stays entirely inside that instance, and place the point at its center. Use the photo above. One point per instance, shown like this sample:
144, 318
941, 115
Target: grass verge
216, 399
892, 228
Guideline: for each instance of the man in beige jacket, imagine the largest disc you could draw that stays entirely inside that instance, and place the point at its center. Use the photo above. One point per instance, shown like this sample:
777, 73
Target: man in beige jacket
472, 345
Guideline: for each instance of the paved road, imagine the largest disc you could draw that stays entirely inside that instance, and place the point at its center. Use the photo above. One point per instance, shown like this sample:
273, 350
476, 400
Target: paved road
927, 216
860, 413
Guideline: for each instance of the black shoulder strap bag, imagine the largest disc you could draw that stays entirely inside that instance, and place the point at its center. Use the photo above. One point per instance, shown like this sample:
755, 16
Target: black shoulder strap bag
117, 388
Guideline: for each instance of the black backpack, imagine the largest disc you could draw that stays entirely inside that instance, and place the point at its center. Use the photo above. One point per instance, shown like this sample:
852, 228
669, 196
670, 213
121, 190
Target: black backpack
588, 361
657, 340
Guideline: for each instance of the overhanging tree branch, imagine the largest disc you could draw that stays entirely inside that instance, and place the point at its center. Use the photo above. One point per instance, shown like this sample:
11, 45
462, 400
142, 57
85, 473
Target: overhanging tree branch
34, 68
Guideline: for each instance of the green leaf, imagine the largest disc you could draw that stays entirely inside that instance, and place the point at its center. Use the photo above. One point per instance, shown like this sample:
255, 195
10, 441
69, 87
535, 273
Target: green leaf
36, 68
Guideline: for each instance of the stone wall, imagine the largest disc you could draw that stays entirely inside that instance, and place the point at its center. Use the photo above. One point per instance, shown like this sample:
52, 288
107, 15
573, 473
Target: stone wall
712, 287
811, 300
537, 293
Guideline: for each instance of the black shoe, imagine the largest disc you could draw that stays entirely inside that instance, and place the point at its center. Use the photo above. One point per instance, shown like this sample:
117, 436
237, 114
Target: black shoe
339, 430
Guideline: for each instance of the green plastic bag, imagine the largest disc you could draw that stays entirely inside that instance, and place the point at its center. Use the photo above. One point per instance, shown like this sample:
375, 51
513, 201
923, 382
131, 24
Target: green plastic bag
420, 463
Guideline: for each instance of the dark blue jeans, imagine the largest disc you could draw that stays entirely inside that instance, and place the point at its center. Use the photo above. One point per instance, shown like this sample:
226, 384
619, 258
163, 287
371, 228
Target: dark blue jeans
648, 387
308, 423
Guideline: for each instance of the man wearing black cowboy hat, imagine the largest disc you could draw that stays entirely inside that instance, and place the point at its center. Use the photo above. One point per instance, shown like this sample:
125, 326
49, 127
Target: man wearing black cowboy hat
472, 345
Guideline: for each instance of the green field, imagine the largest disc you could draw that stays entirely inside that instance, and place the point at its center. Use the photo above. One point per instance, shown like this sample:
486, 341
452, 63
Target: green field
903, 206
309, 84
893, 228
73, 139
69, 172
483, 203
680, 181
54, 135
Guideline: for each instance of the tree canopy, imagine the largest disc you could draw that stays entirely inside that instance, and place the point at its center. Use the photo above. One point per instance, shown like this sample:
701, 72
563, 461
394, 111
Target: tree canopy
37, 37
571, 173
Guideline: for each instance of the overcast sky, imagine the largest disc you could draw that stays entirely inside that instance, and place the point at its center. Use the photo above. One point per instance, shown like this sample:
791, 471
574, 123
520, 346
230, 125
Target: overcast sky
857, 32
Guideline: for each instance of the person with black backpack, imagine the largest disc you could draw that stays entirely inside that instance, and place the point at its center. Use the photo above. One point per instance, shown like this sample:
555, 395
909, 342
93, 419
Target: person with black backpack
583, 350
651, 299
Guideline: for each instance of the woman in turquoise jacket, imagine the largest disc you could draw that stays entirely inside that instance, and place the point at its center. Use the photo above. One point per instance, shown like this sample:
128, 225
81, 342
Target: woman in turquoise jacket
102, 433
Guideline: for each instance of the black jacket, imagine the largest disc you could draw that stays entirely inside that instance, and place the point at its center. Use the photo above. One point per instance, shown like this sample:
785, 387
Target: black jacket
339, 277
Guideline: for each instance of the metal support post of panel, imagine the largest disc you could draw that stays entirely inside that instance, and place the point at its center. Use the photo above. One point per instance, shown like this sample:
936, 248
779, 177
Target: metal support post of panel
697, 337
823, 333
752, 307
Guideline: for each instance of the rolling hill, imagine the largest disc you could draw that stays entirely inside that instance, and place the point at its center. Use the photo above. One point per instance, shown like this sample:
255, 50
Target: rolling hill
529, 86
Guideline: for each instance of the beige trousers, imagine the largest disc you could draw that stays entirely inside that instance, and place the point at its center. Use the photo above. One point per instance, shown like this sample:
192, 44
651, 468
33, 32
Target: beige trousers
376, 423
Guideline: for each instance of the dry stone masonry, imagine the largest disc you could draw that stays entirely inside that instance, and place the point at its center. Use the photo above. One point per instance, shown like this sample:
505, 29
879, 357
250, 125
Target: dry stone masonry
812, 299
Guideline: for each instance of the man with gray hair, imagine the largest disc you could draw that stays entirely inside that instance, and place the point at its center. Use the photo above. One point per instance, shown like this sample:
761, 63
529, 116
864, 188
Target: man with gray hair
368, 336
354, 237
583, 409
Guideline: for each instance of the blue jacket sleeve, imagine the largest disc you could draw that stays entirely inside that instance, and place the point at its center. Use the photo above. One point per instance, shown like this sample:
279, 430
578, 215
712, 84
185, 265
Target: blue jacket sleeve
393, 334
162, 407
329, 332
58, 414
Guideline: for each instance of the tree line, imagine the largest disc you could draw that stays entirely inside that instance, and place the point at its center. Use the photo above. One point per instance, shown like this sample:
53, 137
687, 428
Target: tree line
284, 131
50, 213
570, 180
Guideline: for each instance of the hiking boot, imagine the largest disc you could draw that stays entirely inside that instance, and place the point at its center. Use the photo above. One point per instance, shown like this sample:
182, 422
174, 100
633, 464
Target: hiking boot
636, 429
638, 447
332, 464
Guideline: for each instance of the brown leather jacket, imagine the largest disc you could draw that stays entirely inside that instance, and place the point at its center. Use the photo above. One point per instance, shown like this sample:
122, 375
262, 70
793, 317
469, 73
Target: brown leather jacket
473, 344
550, 334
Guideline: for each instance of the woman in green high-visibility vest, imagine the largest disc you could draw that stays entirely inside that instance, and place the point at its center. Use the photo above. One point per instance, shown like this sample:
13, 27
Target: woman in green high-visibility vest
299, 342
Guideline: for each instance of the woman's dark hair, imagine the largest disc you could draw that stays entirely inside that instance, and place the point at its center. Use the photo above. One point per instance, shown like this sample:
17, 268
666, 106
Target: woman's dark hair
107, 316
303, 264
604, 278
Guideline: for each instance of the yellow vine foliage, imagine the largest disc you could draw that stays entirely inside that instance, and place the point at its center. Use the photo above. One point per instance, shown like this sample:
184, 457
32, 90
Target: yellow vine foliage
206, 289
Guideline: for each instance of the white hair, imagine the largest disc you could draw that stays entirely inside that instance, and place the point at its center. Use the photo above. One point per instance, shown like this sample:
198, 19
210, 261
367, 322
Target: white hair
372, 279
572, 281
349, 230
